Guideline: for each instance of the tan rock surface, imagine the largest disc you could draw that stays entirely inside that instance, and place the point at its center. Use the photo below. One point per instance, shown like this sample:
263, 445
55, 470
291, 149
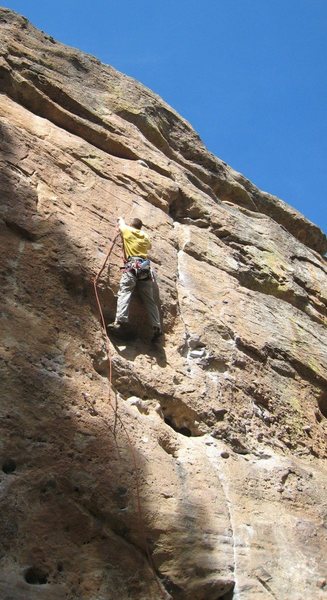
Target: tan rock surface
210, 480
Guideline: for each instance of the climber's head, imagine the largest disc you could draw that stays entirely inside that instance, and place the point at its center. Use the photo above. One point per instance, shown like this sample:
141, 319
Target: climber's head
136, 223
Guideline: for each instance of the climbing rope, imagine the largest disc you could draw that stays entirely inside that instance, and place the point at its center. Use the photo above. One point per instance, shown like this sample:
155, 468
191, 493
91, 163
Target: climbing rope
117, 418
103, 323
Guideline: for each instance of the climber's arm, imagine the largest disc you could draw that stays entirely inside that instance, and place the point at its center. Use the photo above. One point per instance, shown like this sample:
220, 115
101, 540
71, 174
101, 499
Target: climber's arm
121, 224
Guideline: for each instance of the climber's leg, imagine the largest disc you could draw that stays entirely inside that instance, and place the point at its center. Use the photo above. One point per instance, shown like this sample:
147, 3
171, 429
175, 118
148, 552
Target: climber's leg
145, 288
126, 287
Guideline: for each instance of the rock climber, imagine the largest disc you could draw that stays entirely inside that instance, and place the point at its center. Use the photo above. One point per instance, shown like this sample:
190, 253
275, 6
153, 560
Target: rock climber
136, 274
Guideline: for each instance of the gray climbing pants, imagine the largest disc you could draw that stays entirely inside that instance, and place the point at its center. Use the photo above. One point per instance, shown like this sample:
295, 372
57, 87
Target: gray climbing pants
127, 285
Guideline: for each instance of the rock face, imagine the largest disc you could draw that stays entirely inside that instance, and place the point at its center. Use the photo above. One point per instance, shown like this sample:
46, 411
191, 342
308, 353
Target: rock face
200, 472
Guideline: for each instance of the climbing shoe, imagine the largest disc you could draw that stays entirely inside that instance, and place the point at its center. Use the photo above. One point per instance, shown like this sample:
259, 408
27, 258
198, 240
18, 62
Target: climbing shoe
117, 327
121, 331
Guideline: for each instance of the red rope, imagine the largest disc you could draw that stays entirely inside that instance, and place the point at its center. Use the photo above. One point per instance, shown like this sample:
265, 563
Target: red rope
103, 323
117, 418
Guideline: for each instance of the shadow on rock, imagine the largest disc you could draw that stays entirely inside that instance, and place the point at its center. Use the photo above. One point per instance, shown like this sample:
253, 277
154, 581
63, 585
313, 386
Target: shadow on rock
69, 525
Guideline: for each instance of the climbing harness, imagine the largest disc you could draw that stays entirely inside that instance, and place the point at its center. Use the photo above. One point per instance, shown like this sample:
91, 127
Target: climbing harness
140, 267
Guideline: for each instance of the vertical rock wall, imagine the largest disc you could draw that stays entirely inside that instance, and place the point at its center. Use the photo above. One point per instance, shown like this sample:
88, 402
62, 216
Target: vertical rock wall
200, 474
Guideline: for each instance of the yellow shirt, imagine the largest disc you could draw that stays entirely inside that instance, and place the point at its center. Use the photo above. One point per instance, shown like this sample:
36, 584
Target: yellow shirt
136, 242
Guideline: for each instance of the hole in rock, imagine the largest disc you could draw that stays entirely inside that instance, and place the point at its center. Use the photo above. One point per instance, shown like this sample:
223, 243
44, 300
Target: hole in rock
121, 497
9, 466
36, 576
322, 403
177, 209
183, 430
219, 413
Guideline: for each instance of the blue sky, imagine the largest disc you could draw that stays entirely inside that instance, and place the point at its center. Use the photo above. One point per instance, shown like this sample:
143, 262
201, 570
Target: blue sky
249, 75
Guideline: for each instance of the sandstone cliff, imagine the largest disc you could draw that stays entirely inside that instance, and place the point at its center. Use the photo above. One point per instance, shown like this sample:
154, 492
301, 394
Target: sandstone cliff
209, 479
